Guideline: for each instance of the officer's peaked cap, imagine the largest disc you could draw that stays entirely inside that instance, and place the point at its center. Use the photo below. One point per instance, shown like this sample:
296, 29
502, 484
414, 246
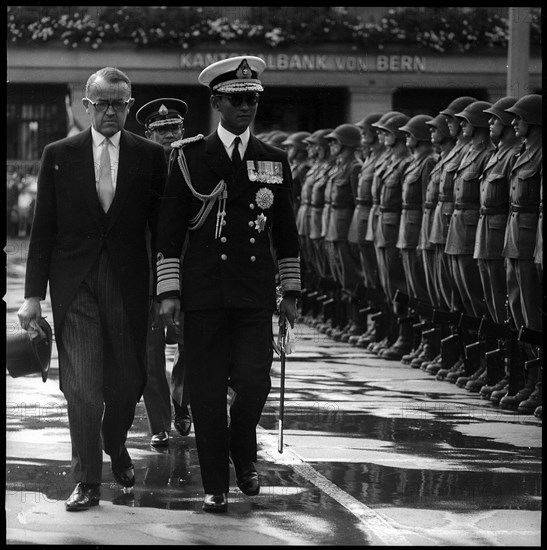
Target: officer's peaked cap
161, 112
529, 108
234, 74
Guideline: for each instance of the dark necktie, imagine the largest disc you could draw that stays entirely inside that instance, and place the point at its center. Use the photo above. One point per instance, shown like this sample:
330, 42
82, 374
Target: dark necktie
236, 158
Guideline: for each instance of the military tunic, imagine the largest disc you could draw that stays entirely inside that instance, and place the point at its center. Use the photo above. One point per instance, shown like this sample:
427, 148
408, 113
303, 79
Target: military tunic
523, 284
359, 223
460, 239
414, 186
494, 208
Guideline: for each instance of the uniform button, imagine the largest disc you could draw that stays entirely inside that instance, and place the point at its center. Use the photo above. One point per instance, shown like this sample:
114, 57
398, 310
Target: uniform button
253, 258
252, 206
252, 240
224, 257
223, 239
251, 224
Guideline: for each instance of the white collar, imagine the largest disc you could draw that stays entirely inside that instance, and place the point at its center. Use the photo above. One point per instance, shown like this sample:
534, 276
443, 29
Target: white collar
98, 138
227, 137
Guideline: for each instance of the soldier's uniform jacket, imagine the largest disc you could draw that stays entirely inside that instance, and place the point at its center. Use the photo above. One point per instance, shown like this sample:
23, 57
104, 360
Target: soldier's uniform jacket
445, 199
430, 202
538, 251
298, 172
415, 179
318, 199
342, 198
389, 215
363, 199
520, 235
380, 167
304, 210
494, 202
230, 264
463, 223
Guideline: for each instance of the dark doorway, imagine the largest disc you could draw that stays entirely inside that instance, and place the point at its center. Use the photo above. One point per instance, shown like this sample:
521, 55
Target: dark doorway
301, 109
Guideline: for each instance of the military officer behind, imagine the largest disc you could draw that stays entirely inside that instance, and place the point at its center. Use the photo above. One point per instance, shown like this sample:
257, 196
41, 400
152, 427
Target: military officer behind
231, 194
163, 120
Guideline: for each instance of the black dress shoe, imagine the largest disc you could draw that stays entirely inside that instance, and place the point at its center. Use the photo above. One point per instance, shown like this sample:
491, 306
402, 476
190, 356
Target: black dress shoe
160, 439
123, 470
215, 503
183, 420
83, 497
246, 476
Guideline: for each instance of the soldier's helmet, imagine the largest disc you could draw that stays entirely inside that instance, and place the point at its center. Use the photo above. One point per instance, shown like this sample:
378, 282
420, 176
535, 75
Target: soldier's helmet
393, 123
297, 140
277, 138
475, 115
318, 137
417, 127
458, 104
498, 109
441, 124
366, 122
529, 108
384, 118
347, 135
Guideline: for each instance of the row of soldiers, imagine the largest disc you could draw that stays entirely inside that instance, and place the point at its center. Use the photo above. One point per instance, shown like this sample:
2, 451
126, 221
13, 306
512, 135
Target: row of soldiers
421, 241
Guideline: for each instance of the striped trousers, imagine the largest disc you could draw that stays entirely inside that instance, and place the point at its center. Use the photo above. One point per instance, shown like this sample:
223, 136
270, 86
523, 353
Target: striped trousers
102, 374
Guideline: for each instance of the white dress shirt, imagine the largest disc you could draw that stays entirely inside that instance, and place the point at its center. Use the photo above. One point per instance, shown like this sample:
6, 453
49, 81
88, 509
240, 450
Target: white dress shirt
227, 139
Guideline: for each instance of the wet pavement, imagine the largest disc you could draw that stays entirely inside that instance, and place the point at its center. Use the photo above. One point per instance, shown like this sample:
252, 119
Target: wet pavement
376, 453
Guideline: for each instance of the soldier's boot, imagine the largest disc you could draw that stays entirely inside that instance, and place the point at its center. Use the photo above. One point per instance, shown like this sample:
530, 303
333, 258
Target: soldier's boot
514, 368
497, 395
364, 314
538, 412
376, 331
392, 334
512, 401
494, 367
356, 325
474, 363
450, 356
418, 343
430, 349
318, 310
339, 320
433, 366
327, 312
404, 342
385, 342
496, 371
528, 406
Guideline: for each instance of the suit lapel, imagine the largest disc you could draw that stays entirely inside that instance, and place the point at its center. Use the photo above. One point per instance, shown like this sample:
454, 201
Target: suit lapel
128, 167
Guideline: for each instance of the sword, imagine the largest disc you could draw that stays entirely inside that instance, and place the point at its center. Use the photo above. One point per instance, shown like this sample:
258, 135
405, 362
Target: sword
282, 338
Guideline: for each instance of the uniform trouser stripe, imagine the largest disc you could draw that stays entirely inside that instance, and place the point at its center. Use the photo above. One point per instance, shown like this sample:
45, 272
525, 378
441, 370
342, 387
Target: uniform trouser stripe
102, 375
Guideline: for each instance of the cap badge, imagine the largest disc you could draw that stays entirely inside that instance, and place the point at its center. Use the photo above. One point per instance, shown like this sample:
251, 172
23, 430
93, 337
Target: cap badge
243, 71
163, 110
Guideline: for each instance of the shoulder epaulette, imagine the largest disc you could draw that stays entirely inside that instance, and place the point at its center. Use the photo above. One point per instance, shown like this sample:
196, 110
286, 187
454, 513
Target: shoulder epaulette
186, 141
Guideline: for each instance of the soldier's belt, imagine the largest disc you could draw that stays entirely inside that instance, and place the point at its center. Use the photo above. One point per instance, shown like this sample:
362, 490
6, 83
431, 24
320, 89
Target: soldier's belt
429, 205
410, 206
446, 198
524, 209
466, 206
317, 204
342, 206
364, 202
490, 211
396, 209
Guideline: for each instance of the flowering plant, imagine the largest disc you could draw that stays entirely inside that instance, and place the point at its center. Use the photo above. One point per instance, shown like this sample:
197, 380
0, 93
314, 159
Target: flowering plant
438, 29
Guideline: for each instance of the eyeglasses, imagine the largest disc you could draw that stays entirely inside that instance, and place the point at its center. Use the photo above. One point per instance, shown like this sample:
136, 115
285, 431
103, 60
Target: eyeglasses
102, 106
236, 100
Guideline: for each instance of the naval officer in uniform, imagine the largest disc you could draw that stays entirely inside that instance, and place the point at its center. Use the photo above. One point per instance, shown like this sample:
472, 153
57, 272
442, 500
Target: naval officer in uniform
231, 194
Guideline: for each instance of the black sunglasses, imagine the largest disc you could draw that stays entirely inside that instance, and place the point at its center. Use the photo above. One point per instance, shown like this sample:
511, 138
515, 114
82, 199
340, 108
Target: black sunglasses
236, 100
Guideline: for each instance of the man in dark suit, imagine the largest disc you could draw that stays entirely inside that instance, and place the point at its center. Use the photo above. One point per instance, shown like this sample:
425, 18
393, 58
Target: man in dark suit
231, 194
97, 193
163, 120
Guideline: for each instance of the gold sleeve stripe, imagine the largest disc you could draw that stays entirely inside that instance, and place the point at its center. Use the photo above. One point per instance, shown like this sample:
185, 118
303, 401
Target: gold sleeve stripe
289, 274
168, 271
